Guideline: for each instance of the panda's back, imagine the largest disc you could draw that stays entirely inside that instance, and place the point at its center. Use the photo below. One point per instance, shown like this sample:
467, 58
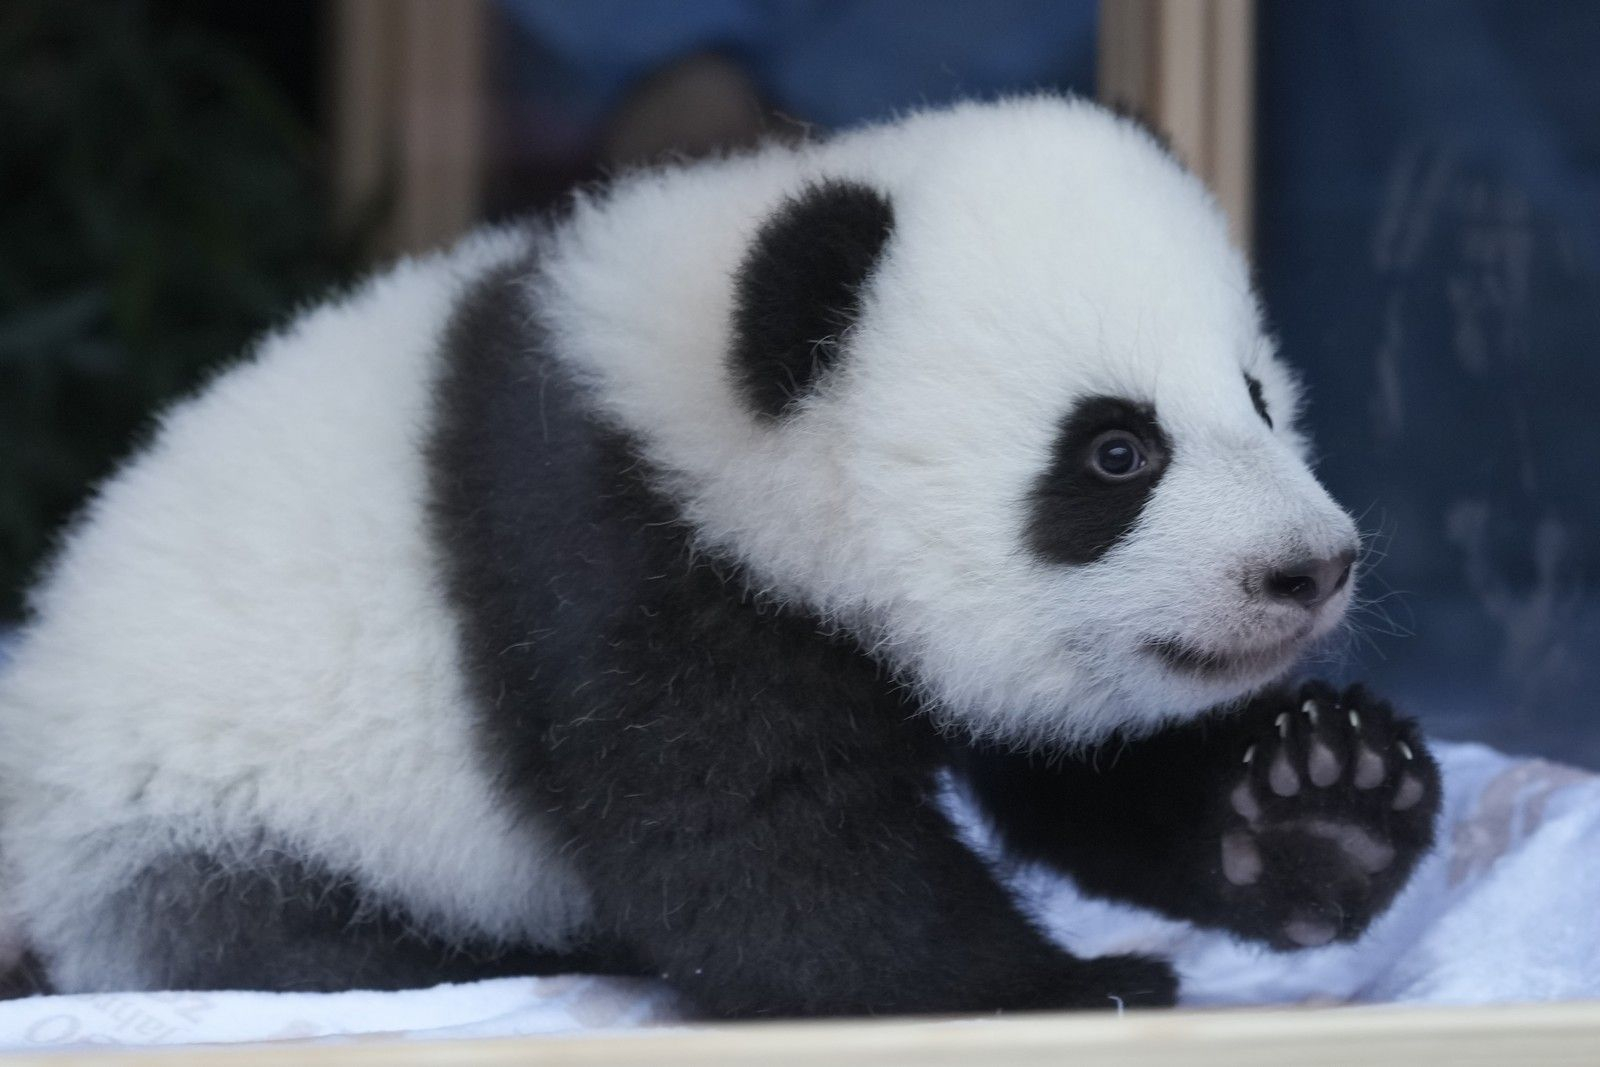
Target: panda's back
247, 638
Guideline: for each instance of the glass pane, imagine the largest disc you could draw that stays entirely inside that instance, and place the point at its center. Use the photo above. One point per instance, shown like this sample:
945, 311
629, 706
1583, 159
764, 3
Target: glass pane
1428, 228
580, 87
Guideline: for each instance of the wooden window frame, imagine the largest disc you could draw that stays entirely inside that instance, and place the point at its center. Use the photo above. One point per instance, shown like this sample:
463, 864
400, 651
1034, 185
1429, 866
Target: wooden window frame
410, 101
1548, 1035
1188, 67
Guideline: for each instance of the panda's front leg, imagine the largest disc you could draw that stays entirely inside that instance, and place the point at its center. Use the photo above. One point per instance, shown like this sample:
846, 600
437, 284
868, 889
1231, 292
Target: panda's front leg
1294, 821
761, 832
758, 889
883, 918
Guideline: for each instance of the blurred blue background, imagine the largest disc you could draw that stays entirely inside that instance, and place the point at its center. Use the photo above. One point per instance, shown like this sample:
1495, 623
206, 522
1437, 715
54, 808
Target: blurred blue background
1428, 246
830, 63
1427, 243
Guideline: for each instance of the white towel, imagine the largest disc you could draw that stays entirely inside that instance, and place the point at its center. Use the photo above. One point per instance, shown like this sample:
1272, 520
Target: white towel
1504, 910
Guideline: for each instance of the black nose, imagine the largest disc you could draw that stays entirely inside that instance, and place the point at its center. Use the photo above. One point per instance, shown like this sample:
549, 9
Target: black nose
1310, 582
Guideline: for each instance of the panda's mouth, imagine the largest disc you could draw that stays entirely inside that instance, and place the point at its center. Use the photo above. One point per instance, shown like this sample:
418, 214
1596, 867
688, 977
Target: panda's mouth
1185, 657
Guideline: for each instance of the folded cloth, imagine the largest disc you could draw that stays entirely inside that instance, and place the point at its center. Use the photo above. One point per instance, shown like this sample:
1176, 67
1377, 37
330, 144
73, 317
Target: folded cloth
1503, 910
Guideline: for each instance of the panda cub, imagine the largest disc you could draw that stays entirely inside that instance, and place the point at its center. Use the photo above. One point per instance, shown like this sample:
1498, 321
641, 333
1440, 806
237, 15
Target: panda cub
612, 593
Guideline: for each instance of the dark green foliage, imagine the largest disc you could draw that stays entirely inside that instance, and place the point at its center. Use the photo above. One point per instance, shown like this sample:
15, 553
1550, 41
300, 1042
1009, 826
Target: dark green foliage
160, 205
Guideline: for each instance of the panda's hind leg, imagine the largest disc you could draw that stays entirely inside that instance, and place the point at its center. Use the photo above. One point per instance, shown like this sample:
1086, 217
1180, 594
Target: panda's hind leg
264, 920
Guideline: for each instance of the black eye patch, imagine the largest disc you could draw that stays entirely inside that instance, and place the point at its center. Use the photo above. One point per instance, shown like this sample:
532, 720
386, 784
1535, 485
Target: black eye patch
1077, 515
1257, 399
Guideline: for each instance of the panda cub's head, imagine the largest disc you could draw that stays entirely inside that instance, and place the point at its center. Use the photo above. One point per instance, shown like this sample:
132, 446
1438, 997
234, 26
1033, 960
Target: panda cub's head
988, 387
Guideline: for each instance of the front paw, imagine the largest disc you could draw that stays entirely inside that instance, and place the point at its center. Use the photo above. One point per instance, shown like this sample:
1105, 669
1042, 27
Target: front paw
1330, 804
1118, 982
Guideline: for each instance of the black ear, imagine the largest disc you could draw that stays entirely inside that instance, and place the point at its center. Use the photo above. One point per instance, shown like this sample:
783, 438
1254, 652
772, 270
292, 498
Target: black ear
798, 289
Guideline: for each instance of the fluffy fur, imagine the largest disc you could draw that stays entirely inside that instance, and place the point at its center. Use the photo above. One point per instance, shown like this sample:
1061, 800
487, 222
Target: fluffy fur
245, 634
563, 601
1042, 252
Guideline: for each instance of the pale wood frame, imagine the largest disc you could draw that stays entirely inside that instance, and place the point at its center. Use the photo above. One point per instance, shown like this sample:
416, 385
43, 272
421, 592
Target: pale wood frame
409, 111
1188, 66
1549, 1035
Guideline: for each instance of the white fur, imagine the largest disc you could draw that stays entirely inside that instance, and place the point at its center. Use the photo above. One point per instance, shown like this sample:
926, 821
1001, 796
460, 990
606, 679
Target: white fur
246, 633
1043, 250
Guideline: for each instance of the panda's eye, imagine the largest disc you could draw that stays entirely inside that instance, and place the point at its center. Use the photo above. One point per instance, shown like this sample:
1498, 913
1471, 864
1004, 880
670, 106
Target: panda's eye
1116, 456
1258, 399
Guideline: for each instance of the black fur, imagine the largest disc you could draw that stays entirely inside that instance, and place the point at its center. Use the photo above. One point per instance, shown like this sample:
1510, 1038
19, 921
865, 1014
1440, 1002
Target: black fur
1124, 110
750, 800
1146, 821
259, 918
798, 290
1257, 399
1075, 516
